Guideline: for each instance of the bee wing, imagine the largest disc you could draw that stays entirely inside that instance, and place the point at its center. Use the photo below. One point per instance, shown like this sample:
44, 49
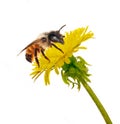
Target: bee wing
28, 46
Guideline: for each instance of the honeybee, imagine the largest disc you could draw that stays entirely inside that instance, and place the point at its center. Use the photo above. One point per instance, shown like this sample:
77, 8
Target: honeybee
44, 41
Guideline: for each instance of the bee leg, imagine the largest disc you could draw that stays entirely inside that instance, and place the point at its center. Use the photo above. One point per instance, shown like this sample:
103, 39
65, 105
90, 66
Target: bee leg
36, 58
42, 51
57, 48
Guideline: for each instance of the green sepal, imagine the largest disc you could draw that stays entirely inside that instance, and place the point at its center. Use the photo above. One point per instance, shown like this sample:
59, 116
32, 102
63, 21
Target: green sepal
75, 72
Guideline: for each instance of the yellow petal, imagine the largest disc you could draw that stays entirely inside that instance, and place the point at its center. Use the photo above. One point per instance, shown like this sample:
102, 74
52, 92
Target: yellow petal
46, 77
56, 70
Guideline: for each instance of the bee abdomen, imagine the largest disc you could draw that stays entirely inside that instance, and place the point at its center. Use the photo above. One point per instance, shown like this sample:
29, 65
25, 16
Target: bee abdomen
28, 57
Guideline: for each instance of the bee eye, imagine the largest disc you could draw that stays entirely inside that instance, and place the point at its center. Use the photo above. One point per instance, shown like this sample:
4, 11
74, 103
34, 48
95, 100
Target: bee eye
54, 38
43, 39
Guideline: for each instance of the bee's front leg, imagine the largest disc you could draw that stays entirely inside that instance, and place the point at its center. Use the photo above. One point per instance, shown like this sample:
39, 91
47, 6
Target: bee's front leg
57, 47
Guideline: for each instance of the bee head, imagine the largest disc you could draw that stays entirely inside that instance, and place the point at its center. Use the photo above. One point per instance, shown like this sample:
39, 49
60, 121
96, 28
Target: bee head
55, 36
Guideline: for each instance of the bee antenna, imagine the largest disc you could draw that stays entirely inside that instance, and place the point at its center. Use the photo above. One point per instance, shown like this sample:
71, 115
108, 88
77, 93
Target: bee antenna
61, 28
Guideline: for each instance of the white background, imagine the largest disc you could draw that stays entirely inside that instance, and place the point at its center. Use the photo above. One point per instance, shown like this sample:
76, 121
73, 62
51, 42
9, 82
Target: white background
24, 102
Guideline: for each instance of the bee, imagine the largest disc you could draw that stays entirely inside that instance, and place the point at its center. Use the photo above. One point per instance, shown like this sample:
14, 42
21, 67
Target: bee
44, 41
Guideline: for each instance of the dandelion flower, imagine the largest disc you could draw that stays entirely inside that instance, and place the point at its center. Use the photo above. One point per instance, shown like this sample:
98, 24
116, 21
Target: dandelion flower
72, 43
74, 70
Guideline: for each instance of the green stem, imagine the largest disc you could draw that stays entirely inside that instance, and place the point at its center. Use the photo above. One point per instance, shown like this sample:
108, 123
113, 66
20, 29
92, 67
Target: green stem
98, 103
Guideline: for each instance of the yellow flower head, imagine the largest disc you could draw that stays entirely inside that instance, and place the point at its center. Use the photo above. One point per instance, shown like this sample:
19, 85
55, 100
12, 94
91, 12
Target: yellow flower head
72, 42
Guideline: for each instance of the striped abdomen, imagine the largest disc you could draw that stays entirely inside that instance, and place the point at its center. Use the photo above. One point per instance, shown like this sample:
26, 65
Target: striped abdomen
32, 52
